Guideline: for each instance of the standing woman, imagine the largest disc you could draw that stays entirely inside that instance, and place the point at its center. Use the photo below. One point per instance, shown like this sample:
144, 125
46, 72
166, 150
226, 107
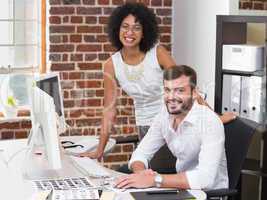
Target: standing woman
137, 67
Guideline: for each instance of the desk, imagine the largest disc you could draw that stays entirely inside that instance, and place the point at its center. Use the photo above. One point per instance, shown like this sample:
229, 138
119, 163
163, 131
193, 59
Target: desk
14, 187
89, 142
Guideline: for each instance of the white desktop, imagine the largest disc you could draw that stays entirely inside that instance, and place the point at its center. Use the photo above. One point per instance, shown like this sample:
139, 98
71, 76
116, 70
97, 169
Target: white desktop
14, 186
43, 157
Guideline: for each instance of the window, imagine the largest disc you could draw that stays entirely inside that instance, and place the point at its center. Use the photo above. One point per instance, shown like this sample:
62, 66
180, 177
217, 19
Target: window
22, 45
20, 42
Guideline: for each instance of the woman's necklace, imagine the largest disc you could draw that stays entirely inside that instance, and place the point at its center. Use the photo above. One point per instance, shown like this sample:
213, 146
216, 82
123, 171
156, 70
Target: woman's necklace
134, 73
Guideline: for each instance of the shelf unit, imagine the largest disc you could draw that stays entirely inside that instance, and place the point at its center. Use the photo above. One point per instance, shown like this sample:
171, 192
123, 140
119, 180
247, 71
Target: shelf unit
242, 73
233, 29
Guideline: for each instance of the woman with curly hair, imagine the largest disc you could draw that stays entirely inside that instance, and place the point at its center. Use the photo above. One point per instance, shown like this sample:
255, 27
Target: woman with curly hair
137, 67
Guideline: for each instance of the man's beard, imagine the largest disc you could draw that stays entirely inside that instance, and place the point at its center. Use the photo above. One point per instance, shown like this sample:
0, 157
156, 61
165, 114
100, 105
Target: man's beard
185, 107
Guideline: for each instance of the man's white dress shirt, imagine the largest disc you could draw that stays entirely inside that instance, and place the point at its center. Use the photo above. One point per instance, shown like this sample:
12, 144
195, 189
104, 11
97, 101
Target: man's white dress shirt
198, 145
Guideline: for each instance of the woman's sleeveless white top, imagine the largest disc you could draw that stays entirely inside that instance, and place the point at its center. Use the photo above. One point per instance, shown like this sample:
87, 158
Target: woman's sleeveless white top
144, 83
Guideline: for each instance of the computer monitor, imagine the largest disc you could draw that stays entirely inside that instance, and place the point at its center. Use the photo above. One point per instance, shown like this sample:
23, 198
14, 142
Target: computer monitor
43, 158
50, 83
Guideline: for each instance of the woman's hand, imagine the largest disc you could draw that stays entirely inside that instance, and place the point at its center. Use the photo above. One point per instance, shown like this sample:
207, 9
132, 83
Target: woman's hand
200, 99
142, 179
92, 154
228, 116
225, 117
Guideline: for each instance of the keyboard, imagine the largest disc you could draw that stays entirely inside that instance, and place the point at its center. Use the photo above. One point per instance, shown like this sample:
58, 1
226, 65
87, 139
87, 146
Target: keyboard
90, 167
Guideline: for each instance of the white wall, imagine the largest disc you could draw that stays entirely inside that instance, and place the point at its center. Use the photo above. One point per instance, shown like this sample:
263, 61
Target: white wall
194, 37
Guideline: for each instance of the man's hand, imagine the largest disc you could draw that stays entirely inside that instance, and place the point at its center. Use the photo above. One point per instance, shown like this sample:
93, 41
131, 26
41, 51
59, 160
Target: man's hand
92, 155
143, 179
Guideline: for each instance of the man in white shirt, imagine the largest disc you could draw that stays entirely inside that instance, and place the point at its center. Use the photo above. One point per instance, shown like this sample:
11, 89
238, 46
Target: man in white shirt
193, 133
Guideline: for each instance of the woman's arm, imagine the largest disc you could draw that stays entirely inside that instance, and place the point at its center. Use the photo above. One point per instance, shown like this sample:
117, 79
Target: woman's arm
109, 113
225, 117
164, 58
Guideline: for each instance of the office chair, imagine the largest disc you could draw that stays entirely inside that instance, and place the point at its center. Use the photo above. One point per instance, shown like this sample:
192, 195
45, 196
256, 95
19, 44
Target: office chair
238, 134
163, 161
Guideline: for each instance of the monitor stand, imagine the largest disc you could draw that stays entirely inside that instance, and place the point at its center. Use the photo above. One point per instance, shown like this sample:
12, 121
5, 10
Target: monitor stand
36, 165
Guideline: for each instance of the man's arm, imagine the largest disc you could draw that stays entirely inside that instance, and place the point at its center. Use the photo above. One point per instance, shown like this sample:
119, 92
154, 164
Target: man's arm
149, 145
146, 178
171, 180
175, 181
211, 156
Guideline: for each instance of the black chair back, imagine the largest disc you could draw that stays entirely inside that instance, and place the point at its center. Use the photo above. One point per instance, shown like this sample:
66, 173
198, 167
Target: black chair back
163, 161
238, 134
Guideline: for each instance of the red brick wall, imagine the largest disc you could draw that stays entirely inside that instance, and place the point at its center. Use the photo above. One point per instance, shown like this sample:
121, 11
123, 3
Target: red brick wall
15, 130
78, 48
253, 4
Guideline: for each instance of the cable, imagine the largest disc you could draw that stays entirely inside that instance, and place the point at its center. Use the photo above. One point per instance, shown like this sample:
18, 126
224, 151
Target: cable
16, 153
7, 161
3, 159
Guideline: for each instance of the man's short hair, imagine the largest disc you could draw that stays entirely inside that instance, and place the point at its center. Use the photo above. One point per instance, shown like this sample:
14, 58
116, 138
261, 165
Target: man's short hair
179, 70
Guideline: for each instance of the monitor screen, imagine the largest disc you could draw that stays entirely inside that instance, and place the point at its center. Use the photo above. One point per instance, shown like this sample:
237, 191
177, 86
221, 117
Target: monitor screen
50, 83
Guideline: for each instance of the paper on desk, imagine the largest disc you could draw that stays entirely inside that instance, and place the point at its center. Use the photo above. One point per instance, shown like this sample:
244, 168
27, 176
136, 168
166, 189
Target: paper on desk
40, 195
108, 195
78, 194
88, 145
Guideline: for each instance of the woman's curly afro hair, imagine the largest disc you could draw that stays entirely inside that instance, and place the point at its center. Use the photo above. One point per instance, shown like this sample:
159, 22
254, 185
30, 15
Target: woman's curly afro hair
143, 15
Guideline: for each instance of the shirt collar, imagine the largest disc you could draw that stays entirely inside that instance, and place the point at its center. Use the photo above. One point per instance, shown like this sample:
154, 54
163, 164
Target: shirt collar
191, 117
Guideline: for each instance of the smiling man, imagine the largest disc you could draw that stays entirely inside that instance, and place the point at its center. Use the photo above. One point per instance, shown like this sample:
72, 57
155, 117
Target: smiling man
193, 133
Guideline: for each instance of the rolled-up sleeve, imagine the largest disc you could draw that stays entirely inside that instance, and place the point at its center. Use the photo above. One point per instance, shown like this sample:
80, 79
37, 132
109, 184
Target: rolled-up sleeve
150, 144
210, 156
